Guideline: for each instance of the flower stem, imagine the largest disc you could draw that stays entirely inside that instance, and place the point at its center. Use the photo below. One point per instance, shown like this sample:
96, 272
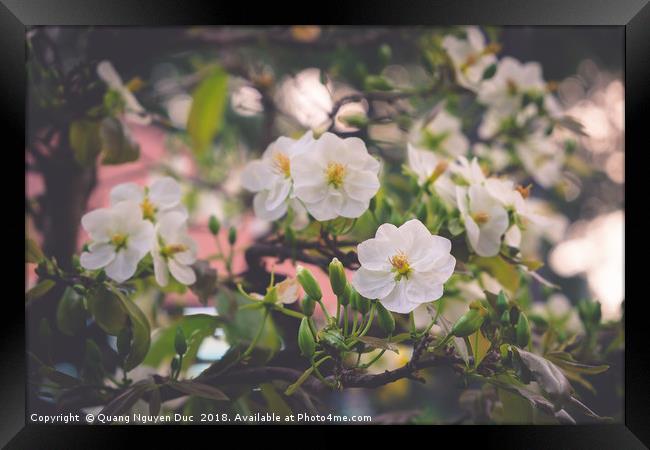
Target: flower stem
371, 316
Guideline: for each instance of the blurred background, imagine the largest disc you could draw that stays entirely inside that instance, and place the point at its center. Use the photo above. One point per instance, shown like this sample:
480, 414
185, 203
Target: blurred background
283, 81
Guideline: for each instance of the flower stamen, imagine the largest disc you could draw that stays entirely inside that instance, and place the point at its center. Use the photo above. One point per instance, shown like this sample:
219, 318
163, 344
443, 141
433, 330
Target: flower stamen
335, 173
119, 241
148, 209
400, 265
282, 163
481, 218
172, 249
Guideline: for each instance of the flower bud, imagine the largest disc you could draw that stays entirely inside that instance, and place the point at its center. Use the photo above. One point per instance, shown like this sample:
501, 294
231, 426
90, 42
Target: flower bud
502, 302
337, 277
468, 323
308, 283
306, 339
180, 344
124, 342
308, 305
377, 83
360, 303
214, 225
232, 235
348, 294
523, 330
271, 295
176, 364
332, 338
385, 319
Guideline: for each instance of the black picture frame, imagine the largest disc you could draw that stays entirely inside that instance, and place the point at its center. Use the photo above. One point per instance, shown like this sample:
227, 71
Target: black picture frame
632, 15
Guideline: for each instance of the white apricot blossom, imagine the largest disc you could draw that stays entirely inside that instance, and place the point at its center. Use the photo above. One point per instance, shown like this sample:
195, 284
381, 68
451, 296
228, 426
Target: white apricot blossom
485, 219
403, 267
173, 251
134, 112
163, 196
337, 177
428, 167
120, 239
271, 177
471, 57
542, 157
504, 92
467, 172
443, 134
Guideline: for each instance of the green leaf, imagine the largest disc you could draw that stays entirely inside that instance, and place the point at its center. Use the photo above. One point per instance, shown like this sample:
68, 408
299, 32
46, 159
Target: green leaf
208, 106
566, 362
197, 326
107, 310
506, 274
70, 313
489, 72
140, 328
480, 347
85, 140
127, 399
190, 387
548, 376
33, 253
378, 343
118, 146
39, 290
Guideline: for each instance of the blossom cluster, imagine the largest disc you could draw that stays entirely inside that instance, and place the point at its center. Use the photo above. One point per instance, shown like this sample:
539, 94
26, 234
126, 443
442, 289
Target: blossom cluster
328, 177
520, 111
141, 221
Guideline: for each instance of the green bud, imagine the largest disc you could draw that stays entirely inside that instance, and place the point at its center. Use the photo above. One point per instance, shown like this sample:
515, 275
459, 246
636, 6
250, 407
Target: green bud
214, 225
523, 330
502, 302
338, 281
232, 235
308, 305
354, 120
306, 339
469, 322
376, 83
385, 318
332, 338
505, 318
176, 364
308, 283
180, 343
124, 342
385, 53
348, 293
364, 304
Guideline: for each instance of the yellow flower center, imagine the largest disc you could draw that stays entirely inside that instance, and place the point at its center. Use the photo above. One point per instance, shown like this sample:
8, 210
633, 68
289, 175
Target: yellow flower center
524, 191
118, 240
512, 87
282, 163
400, 265
440, 168
481, 218
172, 249
148, 209
334, 174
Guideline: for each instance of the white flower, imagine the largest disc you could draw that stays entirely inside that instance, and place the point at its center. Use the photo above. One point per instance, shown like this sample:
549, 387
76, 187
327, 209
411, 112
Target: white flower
427, 166
495, 153
470, 56
403, 267
485, 219
287, 292
173, 251
469, 172
503, 93
336, 178
543, 158
120, 239
163, 196
443, 134
134, 110
271, 177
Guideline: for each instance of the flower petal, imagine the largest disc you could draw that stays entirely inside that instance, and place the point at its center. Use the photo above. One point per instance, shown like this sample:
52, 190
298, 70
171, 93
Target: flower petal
183, 274
374, 254
373, 284
97, 224
259, 206
160, 269
362, 185
165, 193
278, 193
124, 265
397, 300
126, 191
423, 288
256, 176
100, 255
